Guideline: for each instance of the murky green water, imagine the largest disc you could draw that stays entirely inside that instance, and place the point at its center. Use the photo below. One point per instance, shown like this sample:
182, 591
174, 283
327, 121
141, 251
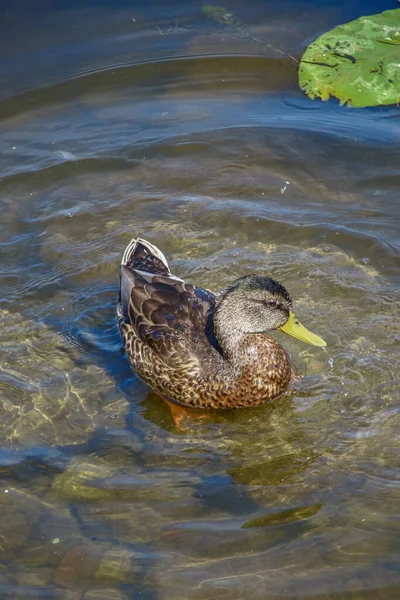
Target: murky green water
201, 143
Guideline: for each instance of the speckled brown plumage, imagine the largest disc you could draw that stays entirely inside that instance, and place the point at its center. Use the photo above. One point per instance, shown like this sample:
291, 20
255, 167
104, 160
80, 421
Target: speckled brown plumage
167, 327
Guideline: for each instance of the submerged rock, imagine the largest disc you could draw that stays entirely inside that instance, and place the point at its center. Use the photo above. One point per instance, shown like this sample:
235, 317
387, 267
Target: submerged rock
100, 563
28, 527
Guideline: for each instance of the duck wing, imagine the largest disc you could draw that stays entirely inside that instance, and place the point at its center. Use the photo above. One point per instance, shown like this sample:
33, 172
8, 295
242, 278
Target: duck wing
168, 315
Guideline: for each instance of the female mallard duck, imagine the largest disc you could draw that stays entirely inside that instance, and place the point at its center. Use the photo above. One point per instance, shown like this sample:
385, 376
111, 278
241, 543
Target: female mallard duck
199, 349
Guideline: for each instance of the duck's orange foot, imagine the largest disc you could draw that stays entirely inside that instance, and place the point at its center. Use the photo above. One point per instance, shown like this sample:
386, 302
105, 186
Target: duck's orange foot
183, 417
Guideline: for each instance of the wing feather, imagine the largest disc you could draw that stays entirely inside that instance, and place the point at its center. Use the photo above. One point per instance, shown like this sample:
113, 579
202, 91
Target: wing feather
167, 314
166, 324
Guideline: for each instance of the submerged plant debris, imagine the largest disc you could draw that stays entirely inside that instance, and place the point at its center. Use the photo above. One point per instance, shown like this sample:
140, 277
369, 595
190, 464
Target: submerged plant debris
240, 30
222, 15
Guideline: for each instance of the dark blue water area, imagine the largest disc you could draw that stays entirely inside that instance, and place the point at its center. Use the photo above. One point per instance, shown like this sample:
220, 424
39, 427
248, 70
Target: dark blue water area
350, 8
40, 42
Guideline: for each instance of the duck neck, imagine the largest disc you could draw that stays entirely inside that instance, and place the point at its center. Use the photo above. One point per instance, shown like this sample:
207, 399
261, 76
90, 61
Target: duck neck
256, 354
229, 335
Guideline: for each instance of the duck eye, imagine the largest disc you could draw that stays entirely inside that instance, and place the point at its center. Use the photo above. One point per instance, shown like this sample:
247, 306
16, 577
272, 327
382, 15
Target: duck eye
272, 304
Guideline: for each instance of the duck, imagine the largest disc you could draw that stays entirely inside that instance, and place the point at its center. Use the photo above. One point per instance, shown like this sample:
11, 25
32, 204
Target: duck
200, 349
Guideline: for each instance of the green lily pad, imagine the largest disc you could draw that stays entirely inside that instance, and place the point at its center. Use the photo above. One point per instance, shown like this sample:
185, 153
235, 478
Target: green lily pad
358, 62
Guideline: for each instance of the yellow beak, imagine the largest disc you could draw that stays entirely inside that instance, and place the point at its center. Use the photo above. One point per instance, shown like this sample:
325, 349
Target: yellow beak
296, 329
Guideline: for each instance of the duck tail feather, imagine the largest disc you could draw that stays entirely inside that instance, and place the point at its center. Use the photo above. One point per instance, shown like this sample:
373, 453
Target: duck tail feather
140, 254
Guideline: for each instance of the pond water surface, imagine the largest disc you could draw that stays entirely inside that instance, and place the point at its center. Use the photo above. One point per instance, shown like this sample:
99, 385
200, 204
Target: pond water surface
122, 119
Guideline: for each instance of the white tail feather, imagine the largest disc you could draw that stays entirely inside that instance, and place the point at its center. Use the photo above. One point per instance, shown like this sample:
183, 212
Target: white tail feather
153, 249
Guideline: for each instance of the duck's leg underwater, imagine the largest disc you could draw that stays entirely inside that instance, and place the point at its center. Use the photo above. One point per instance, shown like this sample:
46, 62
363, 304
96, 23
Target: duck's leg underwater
183, 417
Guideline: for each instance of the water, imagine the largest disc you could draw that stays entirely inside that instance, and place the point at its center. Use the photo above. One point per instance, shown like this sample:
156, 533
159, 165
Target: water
166, 127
